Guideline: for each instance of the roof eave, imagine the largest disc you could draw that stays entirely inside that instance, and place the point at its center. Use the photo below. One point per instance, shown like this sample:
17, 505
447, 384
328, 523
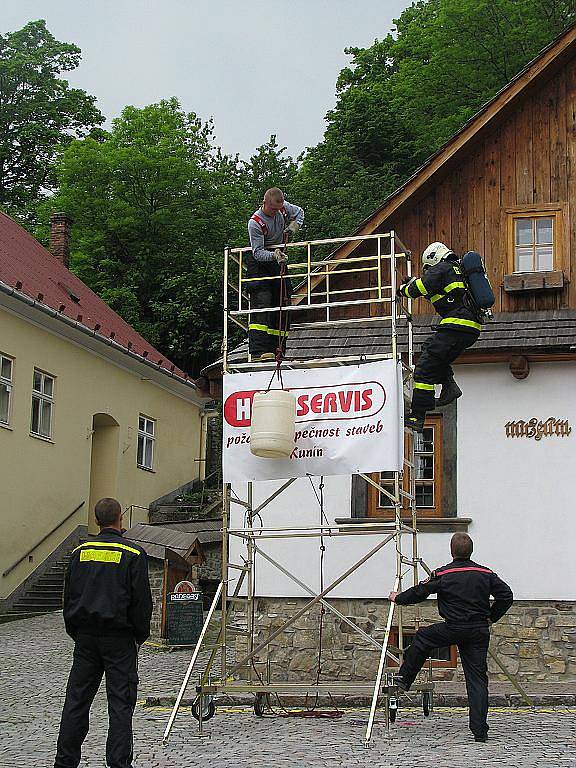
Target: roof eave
106, 347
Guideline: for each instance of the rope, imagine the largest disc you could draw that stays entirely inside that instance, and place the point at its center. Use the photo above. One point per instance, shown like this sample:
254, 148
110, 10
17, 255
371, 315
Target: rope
282, 323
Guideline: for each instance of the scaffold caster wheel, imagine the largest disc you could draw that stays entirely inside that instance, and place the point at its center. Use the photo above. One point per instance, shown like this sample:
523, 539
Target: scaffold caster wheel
259, 705
208, 709
427, 703
392, 708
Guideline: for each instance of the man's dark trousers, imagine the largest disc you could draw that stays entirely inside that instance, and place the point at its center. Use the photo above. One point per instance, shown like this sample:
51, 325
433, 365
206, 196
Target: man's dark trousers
117, 657
265, 333
472, 642
434, 364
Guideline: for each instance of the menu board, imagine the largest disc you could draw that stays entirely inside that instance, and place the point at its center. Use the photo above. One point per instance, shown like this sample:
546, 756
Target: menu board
184, 617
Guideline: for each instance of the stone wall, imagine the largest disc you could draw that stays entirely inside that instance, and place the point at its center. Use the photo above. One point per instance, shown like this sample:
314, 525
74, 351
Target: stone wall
535, 640
156, 576
211, 568
209, 571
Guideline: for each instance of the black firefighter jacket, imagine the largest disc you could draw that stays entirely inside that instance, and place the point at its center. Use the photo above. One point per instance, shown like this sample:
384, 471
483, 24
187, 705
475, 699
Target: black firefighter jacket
464, 589
106, 589
445, 289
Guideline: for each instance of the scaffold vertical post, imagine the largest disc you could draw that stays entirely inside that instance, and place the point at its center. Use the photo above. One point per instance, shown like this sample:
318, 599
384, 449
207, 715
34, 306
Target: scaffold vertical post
225, 298
224, 611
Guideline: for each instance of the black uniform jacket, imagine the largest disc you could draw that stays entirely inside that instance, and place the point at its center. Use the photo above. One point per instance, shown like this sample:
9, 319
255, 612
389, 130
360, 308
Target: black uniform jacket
445, 289
106, 590
463, 588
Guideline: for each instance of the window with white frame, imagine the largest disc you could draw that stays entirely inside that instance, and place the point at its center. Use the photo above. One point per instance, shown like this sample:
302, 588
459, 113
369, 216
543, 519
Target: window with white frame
534, 238
42, 404
146, 439
6, 367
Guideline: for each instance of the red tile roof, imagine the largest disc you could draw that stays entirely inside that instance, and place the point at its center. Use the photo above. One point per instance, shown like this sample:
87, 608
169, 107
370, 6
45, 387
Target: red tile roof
28, 267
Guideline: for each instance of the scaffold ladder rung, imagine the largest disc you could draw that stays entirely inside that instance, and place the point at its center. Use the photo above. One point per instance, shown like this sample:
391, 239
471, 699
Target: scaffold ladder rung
237, 630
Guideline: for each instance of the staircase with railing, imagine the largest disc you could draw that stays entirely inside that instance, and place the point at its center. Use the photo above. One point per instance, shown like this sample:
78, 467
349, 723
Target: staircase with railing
42, 591
43, 595
203, 500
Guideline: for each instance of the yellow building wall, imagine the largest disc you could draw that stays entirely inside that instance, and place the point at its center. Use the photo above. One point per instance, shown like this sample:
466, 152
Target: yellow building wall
42, 481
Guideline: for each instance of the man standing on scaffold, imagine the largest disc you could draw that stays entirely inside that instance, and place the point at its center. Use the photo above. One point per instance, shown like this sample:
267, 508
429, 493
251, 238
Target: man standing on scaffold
442, 284
269, 229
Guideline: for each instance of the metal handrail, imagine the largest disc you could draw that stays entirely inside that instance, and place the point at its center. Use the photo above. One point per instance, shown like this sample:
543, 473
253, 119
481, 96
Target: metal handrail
42, 540
129, 511
311, 267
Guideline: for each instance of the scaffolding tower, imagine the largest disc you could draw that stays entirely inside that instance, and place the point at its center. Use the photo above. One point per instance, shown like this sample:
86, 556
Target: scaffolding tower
374, 268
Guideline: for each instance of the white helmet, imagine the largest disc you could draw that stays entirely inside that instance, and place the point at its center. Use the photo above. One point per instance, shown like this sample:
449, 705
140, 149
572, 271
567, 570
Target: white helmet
435, 253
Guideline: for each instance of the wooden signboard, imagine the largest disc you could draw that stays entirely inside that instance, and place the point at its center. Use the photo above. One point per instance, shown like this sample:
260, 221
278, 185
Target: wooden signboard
184, 617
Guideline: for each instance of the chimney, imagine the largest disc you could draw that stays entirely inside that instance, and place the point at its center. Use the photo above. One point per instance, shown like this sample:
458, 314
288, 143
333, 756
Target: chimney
60, 224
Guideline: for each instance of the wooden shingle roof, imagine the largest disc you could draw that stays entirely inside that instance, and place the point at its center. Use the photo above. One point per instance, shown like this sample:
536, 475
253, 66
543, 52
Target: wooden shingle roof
176, 537
536, 332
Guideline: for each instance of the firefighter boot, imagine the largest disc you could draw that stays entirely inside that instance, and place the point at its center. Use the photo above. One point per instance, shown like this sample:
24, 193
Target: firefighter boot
414, 422
450, 392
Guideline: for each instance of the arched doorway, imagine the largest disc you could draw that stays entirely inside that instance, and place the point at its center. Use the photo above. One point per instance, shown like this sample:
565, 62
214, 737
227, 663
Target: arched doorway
103, 462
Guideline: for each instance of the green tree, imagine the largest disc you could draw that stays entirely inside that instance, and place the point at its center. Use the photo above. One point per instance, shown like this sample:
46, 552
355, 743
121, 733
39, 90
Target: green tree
452, 56
154, 203
400, 99
268, 167
39, 113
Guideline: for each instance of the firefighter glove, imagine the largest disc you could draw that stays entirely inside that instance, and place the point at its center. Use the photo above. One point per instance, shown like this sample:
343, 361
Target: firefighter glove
292, 228
280, 256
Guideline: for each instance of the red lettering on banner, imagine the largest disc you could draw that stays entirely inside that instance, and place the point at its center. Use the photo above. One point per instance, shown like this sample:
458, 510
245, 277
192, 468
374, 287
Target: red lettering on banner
366, 399
302, 405
345, 401
331, 403
316, 404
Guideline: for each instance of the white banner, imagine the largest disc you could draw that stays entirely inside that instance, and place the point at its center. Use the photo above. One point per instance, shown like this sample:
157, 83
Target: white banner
349, 419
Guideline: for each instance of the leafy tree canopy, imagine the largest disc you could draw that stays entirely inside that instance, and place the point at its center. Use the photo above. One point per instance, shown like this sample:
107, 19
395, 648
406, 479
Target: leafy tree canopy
154, 203
39, 113
404, 96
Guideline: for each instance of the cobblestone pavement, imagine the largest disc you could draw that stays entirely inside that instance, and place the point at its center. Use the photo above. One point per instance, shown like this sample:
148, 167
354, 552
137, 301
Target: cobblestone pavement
36, 657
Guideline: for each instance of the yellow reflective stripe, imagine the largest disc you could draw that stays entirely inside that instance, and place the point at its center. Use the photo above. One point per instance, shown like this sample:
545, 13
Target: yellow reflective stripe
266, 329
419, 385
107, 544
100, 556
459, 321
456, 269
420, 286
452, 286
446, 290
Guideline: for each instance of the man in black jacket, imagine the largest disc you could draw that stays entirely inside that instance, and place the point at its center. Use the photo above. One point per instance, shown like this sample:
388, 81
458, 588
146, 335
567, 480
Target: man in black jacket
442, 284
464, 589
107, 611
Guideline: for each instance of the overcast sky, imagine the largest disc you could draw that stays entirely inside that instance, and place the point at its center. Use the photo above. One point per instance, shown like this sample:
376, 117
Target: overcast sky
257, 67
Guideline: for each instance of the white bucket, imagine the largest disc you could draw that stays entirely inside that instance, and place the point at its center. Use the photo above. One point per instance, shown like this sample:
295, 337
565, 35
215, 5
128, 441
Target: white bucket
273, 424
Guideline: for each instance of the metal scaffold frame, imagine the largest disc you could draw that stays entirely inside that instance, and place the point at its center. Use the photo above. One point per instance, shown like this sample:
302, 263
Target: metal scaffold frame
383, 268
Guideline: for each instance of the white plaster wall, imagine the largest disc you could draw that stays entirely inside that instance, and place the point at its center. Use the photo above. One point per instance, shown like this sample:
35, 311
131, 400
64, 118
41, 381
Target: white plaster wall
519, 492
298, 506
